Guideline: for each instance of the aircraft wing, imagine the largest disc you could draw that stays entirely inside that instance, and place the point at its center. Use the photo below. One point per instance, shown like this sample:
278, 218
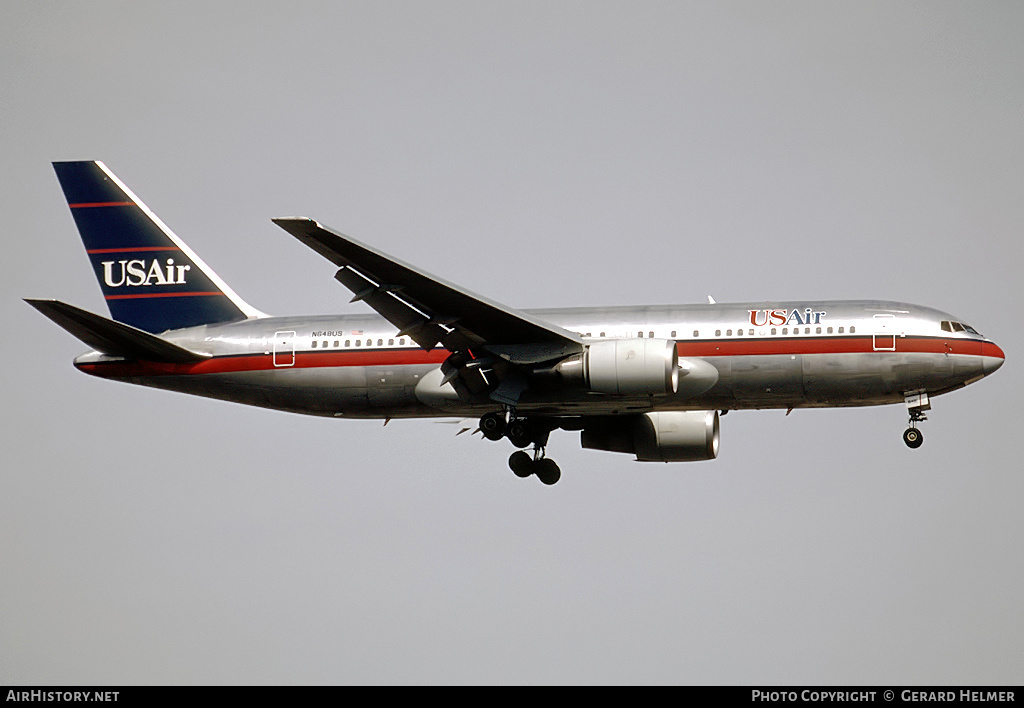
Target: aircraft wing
428, 309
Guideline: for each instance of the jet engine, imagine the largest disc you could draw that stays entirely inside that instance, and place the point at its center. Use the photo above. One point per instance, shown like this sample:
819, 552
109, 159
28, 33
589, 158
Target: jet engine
625, 366
661, 436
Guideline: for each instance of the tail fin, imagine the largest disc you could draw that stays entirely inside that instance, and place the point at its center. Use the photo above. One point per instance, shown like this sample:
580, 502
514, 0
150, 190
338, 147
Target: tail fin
151, 280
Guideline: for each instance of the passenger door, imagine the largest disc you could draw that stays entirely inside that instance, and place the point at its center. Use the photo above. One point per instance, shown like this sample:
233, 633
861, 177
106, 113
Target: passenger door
883, 339
284, 349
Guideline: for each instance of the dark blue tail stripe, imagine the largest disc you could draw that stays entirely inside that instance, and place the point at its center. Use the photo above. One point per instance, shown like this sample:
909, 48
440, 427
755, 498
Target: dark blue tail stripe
147, 278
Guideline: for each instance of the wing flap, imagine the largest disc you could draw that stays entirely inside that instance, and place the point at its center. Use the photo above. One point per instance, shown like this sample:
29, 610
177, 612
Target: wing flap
113, 338
386, 300
429, 309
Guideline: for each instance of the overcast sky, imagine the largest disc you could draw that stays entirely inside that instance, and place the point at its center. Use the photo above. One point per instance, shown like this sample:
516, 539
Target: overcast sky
541, 154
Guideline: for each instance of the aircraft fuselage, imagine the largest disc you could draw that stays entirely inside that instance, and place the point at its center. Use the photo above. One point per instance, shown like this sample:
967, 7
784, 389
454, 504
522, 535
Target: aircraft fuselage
763, 355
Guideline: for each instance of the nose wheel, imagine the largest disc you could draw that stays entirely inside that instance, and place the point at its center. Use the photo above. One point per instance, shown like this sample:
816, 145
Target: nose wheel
916, 406
913, 438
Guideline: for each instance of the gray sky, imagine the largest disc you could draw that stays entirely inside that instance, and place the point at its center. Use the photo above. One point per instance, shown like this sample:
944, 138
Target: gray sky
542, 154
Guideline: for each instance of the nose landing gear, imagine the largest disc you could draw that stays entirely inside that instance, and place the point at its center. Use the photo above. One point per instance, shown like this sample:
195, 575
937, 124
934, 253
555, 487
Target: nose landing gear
917, 404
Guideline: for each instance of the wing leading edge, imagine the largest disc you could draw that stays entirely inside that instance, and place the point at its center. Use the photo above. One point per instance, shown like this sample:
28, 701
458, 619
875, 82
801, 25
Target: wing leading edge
429, 309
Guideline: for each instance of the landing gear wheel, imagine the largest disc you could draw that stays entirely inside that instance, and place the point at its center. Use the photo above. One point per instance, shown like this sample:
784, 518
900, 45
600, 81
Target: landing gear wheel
521, 433
521, 464
492, 425
547, 471
913, 438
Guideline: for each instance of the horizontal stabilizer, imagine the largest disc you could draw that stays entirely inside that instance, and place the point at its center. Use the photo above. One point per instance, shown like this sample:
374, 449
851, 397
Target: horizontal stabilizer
114, 338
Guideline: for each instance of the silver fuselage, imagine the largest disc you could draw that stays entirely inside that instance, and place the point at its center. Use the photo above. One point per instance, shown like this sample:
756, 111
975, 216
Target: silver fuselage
732, 356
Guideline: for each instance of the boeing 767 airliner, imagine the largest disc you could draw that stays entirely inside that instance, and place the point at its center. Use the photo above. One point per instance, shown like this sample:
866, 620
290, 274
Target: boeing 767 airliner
647, 381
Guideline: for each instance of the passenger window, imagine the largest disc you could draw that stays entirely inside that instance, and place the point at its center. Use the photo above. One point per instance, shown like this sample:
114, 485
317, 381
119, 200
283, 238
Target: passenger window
601, 335
324, 345
380, 342
728, 333
695, 334
774, 331
314, 344
401, 342
751, 332
817, 330
807, 330
348, 342
718, 333
829, 330
739, 333
391, 342
853, 330
785, 330
359, 342
336, 344
840, 330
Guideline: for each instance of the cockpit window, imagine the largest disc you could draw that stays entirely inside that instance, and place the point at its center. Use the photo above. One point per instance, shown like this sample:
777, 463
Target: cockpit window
948, 326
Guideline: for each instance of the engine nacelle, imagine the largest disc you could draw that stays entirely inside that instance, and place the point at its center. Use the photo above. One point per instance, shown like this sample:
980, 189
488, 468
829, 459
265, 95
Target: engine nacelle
662, 436
626, 367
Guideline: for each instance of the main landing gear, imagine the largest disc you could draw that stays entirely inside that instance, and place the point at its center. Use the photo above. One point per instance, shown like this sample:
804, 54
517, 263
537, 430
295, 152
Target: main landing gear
523, 432
523, 464
917, 404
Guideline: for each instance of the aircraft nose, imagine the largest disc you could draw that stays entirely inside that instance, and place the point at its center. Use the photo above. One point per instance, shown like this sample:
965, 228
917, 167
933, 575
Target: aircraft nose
992, 357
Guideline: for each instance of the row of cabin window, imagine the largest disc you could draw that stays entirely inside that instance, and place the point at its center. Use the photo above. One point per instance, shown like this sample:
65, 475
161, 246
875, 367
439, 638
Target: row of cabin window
650, 335
359, 343
739, 332
785, 330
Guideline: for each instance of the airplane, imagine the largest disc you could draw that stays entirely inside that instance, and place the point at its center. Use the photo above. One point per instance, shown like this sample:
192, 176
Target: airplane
647, 381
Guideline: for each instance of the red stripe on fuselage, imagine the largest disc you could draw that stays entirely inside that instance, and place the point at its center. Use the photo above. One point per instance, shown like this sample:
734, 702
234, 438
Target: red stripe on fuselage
991, 349
825, 345
708, 349
265, 362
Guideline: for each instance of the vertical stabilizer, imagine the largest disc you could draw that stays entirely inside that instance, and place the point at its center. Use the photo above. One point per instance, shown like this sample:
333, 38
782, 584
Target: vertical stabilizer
150, 279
